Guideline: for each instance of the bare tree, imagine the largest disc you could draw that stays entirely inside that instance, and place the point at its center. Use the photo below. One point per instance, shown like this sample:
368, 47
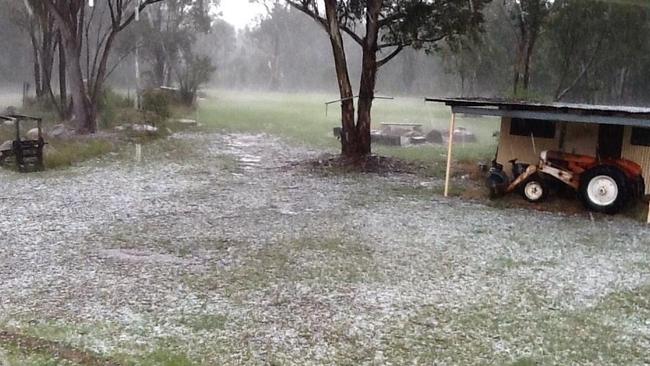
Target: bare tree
32, 18
75, 21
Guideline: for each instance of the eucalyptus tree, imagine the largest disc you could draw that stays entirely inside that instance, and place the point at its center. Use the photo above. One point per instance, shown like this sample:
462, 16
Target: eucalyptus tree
286, 48
90, 32
33, 18
621, 74
574, 48
220, 45
15, 65
390, 27
268, 37
172, 30
527, 19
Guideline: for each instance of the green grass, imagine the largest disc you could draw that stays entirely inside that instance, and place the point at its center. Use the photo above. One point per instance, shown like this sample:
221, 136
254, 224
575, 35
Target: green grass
162, 357
301, 119
9, 98
325, 260
205, 322
64, 153
525, 321
13, 356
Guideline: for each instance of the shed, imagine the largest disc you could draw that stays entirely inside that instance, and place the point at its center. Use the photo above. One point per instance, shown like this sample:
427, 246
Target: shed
527, 128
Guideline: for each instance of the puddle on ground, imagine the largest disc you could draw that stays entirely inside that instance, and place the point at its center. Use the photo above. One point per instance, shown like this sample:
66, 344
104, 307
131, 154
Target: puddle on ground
249, 161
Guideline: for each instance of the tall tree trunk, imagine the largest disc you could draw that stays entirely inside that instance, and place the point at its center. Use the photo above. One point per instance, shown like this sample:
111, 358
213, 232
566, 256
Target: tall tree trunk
36, 62
348, 132
519, 66
529, 54
63, 83
82, 108
368, 78
159, 69
47, 58
100, 77
274, 64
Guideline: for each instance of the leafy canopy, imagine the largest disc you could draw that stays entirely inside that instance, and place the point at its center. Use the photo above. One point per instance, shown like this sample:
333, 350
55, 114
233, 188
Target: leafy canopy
416, 23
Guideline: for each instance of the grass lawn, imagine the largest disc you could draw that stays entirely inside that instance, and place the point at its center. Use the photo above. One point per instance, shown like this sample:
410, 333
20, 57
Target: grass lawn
8, 98
302, 118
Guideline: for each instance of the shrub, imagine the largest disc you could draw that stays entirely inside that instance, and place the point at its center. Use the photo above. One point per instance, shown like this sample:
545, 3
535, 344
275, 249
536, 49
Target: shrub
196, 71
158, 102
110, 105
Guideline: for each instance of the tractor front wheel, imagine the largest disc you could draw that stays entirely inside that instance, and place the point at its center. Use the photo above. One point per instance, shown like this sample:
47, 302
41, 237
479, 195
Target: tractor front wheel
535, 189
604, 189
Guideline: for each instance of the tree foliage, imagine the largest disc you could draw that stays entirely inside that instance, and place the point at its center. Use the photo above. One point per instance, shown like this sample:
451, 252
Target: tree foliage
195, 71
402, 23
390, 27
172, 29
90, 32
527, 18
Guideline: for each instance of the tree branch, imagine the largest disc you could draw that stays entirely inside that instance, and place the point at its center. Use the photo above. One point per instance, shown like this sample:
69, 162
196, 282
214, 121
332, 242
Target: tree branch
390, 56
352, 35
323, 22
120, 60
560, 94
390, 19
131, 18
304, 9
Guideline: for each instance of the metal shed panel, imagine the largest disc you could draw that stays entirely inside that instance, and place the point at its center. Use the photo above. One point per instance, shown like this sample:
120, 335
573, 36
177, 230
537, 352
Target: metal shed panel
638, 154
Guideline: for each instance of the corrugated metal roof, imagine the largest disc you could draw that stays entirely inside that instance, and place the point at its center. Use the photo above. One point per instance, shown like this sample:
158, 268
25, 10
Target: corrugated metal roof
588, 113
485, 102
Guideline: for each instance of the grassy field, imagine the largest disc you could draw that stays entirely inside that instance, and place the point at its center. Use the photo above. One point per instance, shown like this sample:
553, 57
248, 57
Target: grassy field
8, 98
302, 118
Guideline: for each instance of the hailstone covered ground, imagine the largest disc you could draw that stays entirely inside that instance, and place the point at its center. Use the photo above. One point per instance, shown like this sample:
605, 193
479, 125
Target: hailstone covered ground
221, 249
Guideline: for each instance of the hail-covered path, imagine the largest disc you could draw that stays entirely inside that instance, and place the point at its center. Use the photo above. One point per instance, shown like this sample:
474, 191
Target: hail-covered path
238, 255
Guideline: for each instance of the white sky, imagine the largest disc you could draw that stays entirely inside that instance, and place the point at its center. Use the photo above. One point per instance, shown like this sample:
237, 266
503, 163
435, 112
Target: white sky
240, 13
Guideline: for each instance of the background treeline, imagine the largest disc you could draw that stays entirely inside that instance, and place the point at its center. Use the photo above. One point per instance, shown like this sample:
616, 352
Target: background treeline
569, 50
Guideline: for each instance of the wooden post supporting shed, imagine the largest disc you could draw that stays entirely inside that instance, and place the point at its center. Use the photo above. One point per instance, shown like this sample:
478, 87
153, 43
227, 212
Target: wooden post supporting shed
450, 143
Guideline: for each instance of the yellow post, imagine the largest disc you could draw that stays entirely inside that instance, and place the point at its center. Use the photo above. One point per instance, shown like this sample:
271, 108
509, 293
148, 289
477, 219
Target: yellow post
452, 127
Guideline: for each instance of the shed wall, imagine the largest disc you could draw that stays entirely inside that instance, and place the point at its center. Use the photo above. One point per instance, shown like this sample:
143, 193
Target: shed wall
638, 154
521, 147
581, 138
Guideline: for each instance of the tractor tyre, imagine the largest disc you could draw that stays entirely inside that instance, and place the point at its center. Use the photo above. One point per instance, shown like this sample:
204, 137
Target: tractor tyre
637, 189
604, 189
534, 189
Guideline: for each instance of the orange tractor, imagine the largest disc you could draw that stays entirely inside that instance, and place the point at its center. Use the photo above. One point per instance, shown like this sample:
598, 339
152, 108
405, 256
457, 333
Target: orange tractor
603, 185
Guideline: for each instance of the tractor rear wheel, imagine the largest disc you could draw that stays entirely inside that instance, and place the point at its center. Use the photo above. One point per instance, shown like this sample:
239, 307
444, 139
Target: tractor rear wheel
604, 189
535, 189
